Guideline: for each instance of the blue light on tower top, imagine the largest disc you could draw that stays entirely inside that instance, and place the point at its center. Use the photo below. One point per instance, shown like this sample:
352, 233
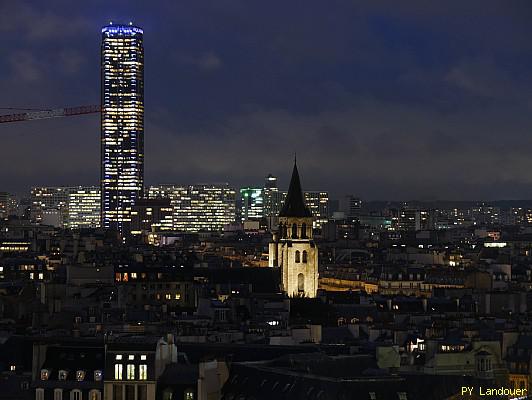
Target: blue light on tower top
120, 29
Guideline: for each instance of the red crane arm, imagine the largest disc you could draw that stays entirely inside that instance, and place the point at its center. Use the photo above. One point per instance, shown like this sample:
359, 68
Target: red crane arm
58, 112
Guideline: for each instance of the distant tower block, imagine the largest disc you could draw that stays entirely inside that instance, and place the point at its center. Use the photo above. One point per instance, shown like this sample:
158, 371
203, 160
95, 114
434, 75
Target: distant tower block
122, 130
293, 249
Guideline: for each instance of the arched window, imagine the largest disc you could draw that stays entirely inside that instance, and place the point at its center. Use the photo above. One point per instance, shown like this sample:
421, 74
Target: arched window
294, 231
298, 256
303, 231
95, 395
76, 394
58, 394
305, 256
300, 282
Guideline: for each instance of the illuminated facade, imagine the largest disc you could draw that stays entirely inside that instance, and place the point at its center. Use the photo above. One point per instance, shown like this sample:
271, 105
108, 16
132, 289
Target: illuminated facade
122, 133
318, 204
202, 207
46, 199
273, 198
251, 203
293, 249
71, 207
83, 208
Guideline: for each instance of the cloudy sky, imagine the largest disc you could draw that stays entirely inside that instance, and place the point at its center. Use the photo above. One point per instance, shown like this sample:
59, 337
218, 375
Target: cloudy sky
383, 99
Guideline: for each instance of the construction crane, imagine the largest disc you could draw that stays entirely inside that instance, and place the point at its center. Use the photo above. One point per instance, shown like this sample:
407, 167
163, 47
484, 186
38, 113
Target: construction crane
44, 114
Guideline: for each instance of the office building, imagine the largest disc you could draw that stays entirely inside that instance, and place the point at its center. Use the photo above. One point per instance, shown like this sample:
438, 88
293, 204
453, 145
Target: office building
84, 208
273, 198
71, 207
122, 130
4, 205
49, 199
318, 204
151, 215
202, 207
251, 204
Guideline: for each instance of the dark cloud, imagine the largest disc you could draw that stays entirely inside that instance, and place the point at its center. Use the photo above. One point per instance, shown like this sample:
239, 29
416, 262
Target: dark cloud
428, 100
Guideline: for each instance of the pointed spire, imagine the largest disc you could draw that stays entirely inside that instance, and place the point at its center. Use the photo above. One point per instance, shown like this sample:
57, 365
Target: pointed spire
294, 205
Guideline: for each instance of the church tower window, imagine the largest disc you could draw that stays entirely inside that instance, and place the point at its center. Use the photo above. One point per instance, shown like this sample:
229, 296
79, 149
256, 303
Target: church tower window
300, 283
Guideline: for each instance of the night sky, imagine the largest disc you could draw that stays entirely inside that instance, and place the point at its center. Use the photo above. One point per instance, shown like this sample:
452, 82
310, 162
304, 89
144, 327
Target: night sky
383, 101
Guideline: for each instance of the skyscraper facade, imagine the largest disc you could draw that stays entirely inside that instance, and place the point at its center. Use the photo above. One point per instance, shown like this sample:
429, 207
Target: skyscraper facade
122, 131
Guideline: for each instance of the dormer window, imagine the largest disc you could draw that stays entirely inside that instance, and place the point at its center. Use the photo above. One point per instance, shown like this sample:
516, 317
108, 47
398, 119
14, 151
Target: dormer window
62, 375
45, 374
80, 375
98, 376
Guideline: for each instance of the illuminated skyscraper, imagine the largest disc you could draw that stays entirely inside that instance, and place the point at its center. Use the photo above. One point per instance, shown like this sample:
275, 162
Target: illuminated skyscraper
122, 169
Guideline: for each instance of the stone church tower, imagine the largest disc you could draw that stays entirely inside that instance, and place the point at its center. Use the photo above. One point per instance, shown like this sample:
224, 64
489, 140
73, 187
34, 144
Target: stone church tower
293, 249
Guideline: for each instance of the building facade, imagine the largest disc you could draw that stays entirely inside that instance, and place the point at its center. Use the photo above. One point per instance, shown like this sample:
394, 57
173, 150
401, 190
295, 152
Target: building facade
251, 204
122, 130
201, 207
84, 208
318, 204
293, 248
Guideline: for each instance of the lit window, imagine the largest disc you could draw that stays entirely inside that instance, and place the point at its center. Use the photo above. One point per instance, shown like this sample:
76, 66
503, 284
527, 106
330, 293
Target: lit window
143, 357
131, 357
143, 372
189, 394
118, 357
118, 371
97, 375
168, 296
12, 367
45, 374
177, 296
80, 375
130, 372
63, 375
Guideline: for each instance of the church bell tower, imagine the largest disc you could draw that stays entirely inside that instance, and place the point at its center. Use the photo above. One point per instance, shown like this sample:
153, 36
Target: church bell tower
293, 249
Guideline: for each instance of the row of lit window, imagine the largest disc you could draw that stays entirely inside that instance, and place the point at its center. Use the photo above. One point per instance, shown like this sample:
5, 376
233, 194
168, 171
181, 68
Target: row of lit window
63, 374
130, 372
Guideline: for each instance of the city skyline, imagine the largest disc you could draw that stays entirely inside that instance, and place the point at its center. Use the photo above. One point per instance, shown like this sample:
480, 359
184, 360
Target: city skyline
380, 93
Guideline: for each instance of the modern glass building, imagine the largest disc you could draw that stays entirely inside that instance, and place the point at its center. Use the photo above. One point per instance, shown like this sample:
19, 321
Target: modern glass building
122, 134
201, 207
251, 203
84, 208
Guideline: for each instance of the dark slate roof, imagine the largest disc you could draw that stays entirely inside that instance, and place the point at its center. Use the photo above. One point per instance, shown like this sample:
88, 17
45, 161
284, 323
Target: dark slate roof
294, 205
71, 359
